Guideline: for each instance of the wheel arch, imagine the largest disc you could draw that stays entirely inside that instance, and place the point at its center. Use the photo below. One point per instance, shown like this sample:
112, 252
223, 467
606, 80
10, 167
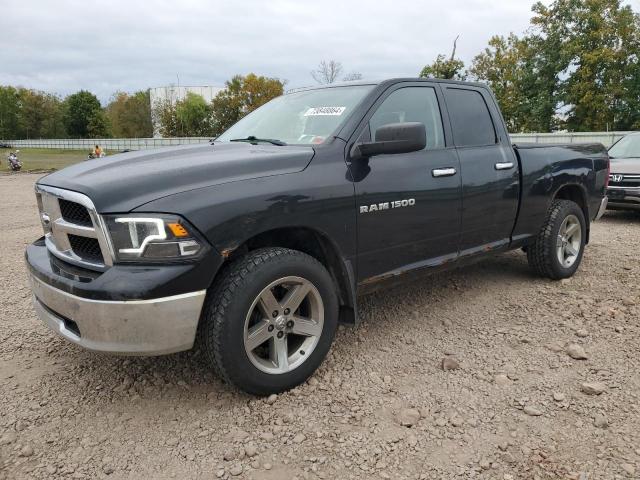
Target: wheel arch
317, 245
577, 194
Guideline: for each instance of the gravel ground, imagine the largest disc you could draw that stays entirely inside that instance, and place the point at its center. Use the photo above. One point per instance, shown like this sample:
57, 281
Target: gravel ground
468, 374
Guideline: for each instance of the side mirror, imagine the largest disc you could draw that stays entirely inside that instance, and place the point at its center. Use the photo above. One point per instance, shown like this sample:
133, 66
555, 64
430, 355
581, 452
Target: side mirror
393, 138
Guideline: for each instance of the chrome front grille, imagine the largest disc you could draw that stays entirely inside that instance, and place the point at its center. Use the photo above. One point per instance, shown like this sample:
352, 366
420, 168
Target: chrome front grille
621, 180
75, 213
86, 248
74, 232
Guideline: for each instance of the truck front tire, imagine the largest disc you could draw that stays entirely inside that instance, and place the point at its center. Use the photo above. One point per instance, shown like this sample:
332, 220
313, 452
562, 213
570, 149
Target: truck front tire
558, 248
269, 320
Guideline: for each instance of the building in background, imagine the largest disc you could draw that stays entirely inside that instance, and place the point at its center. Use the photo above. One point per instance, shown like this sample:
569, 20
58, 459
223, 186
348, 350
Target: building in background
174, 93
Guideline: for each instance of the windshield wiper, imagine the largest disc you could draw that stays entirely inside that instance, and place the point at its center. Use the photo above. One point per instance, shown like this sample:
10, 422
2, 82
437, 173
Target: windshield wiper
255, 141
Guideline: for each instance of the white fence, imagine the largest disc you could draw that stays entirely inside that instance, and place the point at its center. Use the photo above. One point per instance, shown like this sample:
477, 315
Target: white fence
111, 145
119, 144
606, 138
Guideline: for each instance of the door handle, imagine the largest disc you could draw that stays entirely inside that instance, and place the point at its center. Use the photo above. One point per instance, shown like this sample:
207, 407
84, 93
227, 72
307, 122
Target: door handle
504, 165
443, 172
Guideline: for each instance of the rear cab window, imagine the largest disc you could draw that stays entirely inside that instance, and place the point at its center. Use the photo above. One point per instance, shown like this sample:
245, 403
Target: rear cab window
471, 120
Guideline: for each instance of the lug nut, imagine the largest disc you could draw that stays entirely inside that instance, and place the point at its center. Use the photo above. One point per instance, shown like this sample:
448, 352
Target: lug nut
270, 328
286, 311
290, 324
280, 334
274, 314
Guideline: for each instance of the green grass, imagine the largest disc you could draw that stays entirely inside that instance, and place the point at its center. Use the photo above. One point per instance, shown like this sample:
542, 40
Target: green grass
44, 158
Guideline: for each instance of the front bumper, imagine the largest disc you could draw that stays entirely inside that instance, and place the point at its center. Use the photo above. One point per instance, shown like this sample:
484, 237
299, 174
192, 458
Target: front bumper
134, 327
603, 207
130, 310
624, 198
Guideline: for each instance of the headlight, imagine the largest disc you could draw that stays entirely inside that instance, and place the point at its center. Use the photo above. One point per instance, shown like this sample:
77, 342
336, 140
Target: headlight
153, 237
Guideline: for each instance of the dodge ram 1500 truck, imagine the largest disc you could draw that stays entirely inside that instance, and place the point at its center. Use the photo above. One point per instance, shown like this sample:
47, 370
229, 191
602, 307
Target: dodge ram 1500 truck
257, 245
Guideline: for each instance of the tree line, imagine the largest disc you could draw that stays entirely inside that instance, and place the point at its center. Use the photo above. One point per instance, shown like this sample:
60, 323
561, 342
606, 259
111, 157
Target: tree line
577, 67
26, 113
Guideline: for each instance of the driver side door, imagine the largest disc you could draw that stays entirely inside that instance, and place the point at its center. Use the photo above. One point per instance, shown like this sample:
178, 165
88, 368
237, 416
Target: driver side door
408, 204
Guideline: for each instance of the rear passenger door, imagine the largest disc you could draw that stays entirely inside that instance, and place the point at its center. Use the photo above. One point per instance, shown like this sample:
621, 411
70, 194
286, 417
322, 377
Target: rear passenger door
488, 167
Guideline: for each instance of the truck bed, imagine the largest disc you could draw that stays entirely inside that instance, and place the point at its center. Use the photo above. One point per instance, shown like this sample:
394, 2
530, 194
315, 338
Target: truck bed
545, 168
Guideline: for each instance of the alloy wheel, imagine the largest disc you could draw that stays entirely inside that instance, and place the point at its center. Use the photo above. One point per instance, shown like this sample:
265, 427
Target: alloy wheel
569, 241
283, 325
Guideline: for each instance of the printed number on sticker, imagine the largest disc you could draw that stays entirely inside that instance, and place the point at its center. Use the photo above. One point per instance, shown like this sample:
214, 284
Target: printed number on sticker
324, 111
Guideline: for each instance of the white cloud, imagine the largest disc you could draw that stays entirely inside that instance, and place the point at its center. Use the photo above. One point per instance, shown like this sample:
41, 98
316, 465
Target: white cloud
104, 46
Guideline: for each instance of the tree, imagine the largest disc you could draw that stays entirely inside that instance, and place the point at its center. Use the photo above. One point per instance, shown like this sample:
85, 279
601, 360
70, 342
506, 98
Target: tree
99, 125
53, 125
164, 113
79, 111
258, 90
505, 65
9, 112
193, 116
40, 115
577, 68
547, 41
228, 105
448, 68
241, 96
28, 113
327, 72
590, 48
130, 115
604, 48
32, 115
630, 109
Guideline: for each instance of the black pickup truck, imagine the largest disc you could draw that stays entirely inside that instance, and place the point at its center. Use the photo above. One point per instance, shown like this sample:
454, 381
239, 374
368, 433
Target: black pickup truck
257, 245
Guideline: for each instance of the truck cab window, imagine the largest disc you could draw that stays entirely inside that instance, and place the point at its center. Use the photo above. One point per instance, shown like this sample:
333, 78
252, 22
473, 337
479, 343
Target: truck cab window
470, 118
411, 104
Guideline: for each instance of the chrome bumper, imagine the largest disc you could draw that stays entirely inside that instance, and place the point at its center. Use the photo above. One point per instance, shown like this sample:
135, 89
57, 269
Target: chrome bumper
624, 198
134, 327
626, 205
603, 208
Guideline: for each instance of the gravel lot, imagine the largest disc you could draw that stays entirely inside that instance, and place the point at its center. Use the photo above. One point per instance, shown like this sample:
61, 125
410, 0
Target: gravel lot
381, 406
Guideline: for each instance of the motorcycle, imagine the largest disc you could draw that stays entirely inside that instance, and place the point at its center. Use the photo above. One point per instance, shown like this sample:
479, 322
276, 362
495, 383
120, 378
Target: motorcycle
14, 162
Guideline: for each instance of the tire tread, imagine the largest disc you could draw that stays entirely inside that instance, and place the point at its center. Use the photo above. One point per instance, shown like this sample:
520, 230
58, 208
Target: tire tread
540, 254
232, 279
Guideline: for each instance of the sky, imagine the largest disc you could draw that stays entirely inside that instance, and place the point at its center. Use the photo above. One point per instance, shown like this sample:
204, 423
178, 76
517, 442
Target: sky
62, 46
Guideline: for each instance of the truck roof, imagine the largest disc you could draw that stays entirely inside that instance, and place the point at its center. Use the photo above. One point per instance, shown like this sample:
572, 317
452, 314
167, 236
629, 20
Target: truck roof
383, 82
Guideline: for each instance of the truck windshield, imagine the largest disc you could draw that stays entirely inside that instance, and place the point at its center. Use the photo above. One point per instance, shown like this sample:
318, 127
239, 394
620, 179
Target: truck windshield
306, 117
627, 147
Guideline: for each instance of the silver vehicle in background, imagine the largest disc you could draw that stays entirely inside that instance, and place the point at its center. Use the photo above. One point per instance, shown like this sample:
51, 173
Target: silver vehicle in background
624, 177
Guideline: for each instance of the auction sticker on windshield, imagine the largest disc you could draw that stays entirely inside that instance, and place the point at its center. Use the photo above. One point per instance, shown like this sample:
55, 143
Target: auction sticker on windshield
314, 111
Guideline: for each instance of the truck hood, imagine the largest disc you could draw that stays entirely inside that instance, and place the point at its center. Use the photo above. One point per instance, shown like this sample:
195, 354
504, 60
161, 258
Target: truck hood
625, 165
122, 182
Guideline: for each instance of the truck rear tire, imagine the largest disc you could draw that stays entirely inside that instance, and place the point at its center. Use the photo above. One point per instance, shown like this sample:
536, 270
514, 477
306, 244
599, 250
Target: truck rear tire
558, 248
269, 320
